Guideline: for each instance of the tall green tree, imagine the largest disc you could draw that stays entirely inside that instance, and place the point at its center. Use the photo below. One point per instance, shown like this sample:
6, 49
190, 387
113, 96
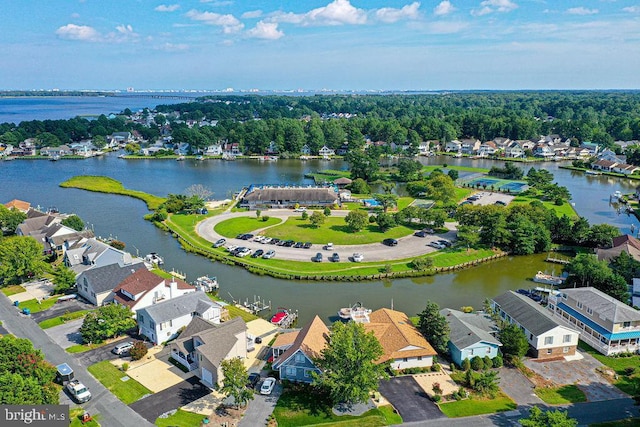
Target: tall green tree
21, 257
440, 188
363, 165
106, 322
514, 342
434, 327
386, 200
356, 220
317, 218
235, 382
63, 278
348, 364
408, 169
73, 221
548, 418
10, 219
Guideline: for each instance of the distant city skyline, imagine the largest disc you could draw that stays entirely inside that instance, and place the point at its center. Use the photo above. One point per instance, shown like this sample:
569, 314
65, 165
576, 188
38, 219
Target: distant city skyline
320, 44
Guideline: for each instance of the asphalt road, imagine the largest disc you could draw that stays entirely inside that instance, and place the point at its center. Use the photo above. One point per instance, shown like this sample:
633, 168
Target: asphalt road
408, 247
406, 395
114, 413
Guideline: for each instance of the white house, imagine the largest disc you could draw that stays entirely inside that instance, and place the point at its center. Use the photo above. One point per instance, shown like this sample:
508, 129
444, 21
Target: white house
161, 322
326, 151
469, 146
144, 288
213, 150
548, 338
453, 146
96, 284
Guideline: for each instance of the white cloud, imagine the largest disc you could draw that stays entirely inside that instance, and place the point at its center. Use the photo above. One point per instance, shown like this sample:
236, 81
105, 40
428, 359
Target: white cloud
490, 6
390, 15
251, 14
631, 9
265, 30
338, 12
78, 32
171, 47
167, 8
444, 8
581, 11
218, 3
229, 23
440, 27
75, 15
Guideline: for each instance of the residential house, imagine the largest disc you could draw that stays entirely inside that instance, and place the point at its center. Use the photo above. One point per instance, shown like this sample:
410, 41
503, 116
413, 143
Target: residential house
343, 149
591, 147
265, 197
272, 149
635, 293
526, 144
471, 335
488, 148
213, 150
62, 150
514, 150
423, 148
120, 138
144, 288
183, 149
231, 149
625, 243
606, 324
83, 148
296, 363
96, 285
604, 165
403, 345
305, 150
547, 337
20, 205
470, 146
48, 230
162, 322
543, 150
203, 345
454, 146
501, 142
91, 253
326, 151
611, 156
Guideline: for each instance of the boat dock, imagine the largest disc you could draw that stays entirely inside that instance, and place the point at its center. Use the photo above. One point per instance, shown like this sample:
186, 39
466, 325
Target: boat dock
558, 260
288, 321
254, 307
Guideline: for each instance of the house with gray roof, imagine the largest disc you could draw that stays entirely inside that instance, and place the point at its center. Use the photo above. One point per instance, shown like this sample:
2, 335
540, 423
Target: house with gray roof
96, 284
161, 322
471, 335
548, 338
283, 196
203, 345
92, 253
606, 324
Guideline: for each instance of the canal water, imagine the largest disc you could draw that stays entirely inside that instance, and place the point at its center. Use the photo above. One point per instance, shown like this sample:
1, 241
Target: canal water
122, 218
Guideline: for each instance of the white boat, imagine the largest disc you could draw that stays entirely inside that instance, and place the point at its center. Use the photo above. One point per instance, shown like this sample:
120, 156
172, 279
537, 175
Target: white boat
154, 259
592, 172
356, 313
206, 283
180, 158
548, 279
616, 196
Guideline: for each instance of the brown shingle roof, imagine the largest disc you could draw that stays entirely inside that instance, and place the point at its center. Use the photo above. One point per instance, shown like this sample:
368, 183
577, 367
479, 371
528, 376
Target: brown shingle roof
142, 281
311, 340
625, 243
285, 339
395, 332
18, 204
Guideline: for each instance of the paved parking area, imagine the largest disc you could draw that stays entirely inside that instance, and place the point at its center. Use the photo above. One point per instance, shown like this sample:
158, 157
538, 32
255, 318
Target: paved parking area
38, 289
406, 395
489, 198
66, 335
260, 408
517, 386
60, 308
581, 372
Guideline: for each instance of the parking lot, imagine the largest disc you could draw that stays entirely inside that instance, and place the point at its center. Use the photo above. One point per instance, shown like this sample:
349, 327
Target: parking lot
490, 198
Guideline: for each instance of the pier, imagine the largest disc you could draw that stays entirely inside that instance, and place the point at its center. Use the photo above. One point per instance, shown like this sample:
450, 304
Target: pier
558, 260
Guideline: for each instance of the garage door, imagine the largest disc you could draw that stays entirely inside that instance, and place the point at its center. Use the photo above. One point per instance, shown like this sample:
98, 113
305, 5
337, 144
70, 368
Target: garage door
207, 377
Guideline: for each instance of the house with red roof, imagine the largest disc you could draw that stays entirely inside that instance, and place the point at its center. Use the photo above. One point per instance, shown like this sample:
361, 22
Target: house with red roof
144, 288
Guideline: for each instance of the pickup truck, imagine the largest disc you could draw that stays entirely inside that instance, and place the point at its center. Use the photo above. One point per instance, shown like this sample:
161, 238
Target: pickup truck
78, 391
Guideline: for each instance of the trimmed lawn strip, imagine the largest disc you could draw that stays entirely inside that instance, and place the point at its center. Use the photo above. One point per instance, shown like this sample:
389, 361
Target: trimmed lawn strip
561, 395
13, 289
403, 202
60, 320
81, 348
35, 307
627, 383
127, 391
104, 184
235, 311
181, 419
244, 224
477, 406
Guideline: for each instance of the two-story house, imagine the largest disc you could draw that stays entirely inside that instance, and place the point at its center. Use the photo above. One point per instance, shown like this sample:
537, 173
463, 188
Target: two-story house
547, 337
161, 322
469, 146
606, 324
91, 253
96, 284
144, 288
454, 146
203, 345
471, 335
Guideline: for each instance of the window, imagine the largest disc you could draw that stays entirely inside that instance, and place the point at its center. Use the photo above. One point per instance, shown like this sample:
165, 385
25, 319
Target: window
565, 350
589, 311
299, 357
548, 340
566, 338
419, 357
141, 317
291, 371
307, 373
488, 350
530, 337
579, 304
626, 324
405, 359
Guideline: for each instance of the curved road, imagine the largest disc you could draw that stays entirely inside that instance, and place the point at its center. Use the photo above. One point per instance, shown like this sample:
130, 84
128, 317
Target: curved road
408, 247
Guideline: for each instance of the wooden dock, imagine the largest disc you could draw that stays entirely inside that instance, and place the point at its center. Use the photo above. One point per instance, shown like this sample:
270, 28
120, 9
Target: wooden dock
558, 260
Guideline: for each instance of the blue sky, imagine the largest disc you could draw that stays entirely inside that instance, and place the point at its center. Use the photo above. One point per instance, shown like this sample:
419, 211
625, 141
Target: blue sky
316, 44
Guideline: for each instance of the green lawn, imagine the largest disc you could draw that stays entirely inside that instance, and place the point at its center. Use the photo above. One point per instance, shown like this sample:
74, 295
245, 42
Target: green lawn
561, 395
12, 290
431, 168
111, 377
334, 230
60, 320
477, 406
104, 184
181, 419
244, 224
236, 311
35, 307
629, 384
403, 202
565, 209
76, 420
463, 193
300, 406
81, 348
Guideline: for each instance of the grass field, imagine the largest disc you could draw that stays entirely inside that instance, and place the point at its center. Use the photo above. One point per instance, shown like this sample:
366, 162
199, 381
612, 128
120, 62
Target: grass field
104, 184
76, 420
111, 377
12, 290
34, 306
181, 419
477, 406
81, 348
60, 320
565, 209
235, 311
561, 395
234, 226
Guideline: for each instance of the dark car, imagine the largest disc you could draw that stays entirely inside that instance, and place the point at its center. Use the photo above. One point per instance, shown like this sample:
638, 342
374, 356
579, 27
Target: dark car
317, 258
257, 253
289, 243
253, 380
420, 233
500, 203
247, 236
390, 242
274, 241
335, 257
298, 245
307, 245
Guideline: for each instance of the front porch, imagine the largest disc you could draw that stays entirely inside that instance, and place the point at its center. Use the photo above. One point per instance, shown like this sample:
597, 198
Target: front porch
189, 361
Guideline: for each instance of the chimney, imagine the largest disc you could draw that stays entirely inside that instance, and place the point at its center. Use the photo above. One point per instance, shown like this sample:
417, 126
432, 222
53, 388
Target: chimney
173, 288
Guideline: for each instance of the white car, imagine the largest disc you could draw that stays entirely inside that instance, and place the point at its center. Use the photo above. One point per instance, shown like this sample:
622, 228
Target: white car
357, 257
267, 385
300, 209
266, 240
259, 239
437, 245
269, 254
243, 253
230, 248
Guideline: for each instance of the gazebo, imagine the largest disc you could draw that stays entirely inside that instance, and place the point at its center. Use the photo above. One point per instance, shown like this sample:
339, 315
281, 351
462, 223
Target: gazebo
342, 182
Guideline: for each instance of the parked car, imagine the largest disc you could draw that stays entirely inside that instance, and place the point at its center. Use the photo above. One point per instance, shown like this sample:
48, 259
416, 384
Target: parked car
266, 240
289, 243
253, 380
269, 254
219, 243
274, 241
257, 253
328, 247
390, 242
436, 245
78, 391
231, 248
445, 243
242, 252
267, 385
258, 239
500, 203
420, 233
358, 257
335, 257
122, 348
298, 245
429, 231
300, 209
317, 258
307, 245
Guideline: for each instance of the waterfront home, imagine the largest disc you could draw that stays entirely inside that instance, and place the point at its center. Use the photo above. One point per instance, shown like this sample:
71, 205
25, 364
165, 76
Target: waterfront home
91, 253
62, 150
488, 148
453, 146
471, 335
423, 148
19, 205
514, 150
343, 149
606, 324
616, 167
48, 230
326, 151
611, 156
305, 150
96, 285
163, 321
144, 288
548, 337
213, 150
269, 197
119, 139
591, 147
469, 146
625, 243
403, 345
296, 363
231, 149
203, 345
501, 142
83, 148
543, 150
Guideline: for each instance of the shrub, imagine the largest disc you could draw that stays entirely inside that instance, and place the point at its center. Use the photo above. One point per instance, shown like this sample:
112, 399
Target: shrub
117, 244
497, 361
125, 366
305, 215
138, 351
466, 365
327, 211
265, 218
477, 364
388, 268
629, 370
422, 263
436, 367
436, 389
488, 363
437, 398
466, 309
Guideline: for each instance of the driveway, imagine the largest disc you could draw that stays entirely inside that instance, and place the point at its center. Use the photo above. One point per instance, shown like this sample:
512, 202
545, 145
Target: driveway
183, 393
99, 354
260, 408
61, 308
406, 395
518, 387
67, 334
